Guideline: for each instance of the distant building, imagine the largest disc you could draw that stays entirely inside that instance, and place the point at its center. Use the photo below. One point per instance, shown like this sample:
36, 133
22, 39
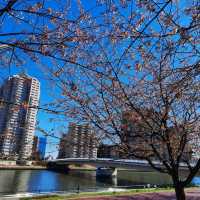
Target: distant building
108, 151
133, 133
80, 142
39, 148
137, 136
19, 98
35, 154
42, 147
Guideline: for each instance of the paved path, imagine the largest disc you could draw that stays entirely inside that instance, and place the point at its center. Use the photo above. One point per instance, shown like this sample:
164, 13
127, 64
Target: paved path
191, 195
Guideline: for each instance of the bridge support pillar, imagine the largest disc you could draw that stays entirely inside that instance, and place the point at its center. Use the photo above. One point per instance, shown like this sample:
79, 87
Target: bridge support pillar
114, 173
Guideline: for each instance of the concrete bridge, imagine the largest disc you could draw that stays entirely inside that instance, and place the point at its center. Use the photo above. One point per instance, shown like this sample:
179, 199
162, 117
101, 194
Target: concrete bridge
105, 166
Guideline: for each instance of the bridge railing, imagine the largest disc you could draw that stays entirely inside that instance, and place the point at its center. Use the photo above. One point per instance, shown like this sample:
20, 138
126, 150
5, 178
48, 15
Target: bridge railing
125, 161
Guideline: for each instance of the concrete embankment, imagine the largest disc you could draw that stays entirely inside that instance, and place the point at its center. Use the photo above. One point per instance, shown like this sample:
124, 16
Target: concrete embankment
10, 164
6, 167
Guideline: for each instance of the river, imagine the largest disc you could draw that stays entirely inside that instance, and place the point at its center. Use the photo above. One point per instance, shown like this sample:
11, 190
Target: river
17, 181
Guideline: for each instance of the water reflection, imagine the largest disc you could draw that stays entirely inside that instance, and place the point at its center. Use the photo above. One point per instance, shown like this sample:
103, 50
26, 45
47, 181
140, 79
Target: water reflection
14, 181
112, 181
143, 178
196, 181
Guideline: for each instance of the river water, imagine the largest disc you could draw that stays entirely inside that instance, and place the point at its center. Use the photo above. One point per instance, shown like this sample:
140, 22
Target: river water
17, 181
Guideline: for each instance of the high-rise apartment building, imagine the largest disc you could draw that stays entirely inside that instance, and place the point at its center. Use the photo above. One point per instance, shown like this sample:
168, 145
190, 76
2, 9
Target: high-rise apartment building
80, 142
19, 97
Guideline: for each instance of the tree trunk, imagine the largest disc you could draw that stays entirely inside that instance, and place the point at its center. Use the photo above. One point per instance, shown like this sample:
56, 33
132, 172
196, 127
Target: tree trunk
180, 193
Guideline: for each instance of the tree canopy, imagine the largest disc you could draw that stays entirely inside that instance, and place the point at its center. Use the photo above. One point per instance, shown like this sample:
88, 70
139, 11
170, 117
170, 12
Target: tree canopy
113, 57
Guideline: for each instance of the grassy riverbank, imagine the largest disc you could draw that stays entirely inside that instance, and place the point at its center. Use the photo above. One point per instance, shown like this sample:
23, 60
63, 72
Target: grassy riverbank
98, 194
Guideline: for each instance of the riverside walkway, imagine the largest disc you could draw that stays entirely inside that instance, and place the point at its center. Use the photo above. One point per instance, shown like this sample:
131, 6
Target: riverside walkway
191, 194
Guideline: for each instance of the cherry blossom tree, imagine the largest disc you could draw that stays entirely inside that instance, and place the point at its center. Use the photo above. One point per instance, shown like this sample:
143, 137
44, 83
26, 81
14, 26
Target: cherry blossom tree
140, 58
34, 30
114, 57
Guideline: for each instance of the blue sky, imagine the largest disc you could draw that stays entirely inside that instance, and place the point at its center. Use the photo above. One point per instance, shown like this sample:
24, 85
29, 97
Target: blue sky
35, 70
